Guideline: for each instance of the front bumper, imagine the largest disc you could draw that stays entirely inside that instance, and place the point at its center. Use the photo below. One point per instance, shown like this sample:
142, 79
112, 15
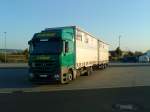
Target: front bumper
43, 77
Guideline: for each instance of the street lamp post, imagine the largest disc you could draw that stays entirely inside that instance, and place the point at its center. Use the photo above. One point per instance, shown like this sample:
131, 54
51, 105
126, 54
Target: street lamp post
5, 47
119, 41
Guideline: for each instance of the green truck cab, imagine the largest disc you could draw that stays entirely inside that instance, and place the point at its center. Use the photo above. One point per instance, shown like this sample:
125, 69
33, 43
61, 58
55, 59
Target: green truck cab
52, 55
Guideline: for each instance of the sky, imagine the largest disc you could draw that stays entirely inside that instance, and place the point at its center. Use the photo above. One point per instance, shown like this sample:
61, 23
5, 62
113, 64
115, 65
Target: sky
106, 19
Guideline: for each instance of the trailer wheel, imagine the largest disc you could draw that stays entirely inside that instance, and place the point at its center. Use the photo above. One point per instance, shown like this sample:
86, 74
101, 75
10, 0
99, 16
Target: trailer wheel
100, 67
106, 65
89, 71
103, 66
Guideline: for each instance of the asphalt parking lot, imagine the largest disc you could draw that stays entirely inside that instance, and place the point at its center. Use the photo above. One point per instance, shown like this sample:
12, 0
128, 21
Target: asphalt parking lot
14, 79
116, 89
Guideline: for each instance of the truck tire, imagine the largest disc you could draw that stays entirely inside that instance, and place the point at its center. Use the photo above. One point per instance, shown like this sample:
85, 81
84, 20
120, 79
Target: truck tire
63, 79
69, 77
103, 66
100, 67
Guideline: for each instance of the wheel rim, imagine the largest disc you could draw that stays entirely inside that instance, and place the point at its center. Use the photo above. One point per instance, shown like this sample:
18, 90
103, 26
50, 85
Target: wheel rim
70, 77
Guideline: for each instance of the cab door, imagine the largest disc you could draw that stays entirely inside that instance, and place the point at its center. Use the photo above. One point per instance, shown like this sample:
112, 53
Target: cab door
68, 56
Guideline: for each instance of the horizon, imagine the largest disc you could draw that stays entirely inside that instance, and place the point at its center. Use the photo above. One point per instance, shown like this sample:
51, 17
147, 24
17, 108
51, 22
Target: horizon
109, 50
106, 19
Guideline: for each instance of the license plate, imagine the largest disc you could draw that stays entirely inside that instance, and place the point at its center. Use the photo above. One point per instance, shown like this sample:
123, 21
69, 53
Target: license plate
43, 76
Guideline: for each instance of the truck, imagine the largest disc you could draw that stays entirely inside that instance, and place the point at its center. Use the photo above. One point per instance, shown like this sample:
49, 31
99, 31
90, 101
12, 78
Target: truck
62, 54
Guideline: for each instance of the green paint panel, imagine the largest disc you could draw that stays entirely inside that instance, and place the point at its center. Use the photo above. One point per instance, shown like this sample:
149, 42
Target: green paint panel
68, 59
48, 34
66, 35
34, 58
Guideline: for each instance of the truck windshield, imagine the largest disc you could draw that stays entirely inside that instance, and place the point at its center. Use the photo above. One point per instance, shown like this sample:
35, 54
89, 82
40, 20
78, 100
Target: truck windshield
46, 47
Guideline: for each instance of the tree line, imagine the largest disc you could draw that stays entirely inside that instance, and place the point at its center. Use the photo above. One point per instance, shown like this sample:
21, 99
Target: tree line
14, 57
119, 54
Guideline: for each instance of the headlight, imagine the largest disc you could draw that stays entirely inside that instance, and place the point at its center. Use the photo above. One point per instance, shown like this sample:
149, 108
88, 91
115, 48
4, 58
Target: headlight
31, 75
33, 64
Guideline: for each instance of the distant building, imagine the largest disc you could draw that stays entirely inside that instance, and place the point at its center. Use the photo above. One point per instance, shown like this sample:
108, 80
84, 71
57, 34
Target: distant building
145, 57
148, 53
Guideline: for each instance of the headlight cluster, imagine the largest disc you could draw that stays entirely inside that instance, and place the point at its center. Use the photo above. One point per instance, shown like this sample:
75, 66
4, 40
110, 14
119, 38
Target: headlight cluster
33, 64
56, 76
31, 75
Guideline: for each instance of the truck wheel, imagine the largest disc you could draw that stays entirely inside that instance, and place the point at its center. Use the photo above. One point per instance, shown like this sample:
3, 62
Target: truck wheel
63, 79
67, 77
70, 77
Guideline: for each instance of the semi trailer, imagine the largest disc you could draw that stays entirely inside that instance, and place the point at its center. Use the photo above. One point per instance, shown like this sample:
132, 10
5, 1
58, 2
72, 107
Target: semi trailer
63, 53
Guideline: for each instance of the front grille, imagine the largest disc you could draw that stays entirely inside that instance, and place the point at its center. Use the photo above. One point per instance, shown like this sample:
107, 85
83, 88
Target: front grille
46, 67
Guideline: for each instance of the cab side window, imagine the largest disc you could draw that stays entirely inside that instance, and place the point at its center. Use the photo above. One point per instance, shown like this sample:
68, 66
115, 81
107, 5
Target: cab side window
66, 47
